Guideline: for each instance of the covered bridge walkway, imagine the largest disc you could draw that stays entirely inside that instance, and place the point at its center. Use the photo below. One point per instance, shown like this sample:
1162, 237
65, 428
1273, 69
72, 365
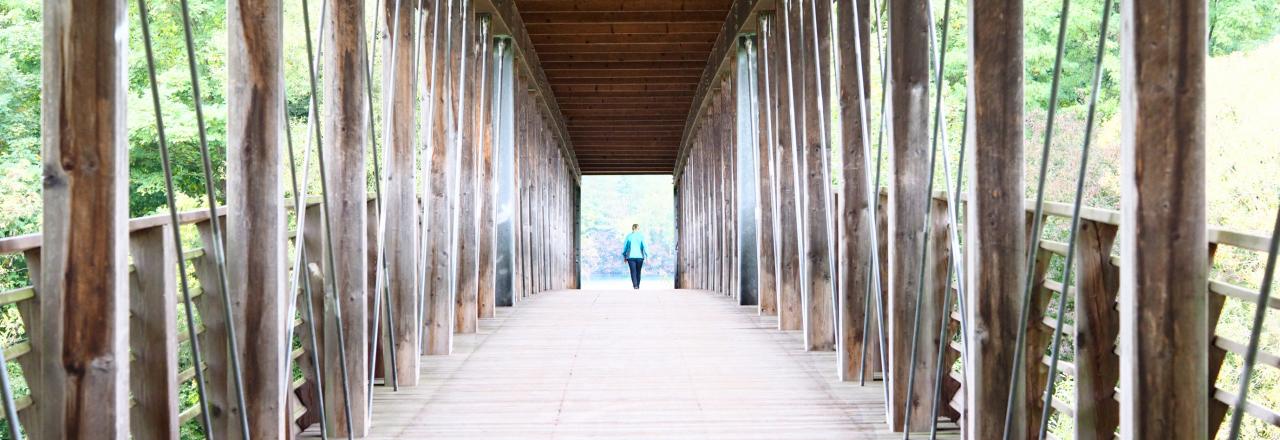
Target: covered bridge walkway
399, 259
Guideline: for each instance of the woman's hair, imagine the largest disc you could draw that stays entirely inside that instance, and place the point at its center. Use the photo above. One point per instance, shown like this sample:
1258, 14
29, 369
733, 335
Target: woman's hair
635, 226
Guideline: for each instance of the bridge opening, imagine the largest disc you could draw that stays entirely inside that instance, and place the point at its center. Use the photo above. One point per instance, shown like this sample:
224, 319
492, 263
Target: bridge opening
610, 205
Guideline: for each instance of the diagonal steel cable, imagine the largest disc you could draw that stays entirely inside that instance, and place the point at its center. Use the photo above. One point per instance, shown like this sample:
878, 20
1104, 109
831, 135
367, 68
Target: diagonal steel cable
219, 253
188, 306
874, 202
1075, 221
1255, 336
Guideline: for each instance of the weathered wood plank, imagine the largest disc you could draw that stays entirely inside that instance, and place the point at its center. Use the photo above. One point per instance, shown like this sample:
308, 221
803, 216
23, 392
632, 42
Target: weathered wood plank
83, 289
437, 325
789, 303
1163, 320
346, 137
909, 198
1097, 325
996, 259
153, 334
856, 195
467, 270
818, 247
765, 168
214, 339
487, 283
400, 198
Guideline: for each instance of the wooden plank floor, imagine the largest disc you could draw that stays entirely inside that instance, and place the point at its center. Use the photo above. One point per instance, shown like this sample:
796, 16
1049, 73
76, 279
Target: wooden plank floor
630, 364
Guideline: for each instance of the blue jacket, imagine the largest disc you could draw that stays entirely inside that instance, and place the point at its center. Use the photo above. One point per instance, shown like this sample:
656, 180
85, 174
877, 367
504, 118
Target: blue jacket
634, 242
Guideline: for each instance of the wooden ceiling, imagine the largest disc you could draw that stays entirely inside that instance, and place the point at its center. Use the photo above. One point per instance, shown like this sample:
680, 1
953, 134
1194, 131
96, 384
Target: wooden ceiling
624, 73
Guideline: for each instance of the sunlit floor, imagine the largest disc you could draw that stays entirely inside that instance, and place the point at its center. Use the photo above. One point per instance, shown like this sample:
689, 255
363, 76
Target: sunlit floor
651, 282
616, 364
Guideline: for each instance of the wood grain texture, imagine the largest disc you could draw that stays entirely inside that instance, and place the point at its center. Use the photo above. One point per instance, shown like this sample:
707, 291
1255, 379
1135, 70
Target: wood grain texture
346, 136
856, 195
766, 163
400, 198
1097, 325
438, 302
1163, 299
153, 334
488, 194
257, 266
658, 364
467, 271
213, 341
83, 287
789, 301
996, 259
909, 191
818, 278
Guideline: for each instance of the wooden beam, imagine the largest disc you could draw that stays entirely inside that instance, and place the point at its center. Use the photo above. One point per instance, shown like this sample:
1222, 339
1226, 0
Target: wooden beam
506, 18
765, 166
909, 198
1163, 311
486, 294
855, 256
714, 17
995, 257
623, 5
1097, 326
438, 326
400, 199
466, 297
346, 136
818, 250
789, 300
82, 386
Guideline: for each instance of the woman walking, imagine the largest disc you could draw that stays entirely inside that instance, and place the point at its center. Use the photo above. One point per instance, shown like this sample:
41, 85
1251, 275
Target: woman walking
634, 252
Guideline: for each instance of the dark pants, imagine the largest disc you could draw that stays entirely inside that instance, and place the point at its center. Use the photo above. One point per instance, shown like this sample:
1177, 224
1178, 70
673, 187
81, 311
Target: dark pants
635, 264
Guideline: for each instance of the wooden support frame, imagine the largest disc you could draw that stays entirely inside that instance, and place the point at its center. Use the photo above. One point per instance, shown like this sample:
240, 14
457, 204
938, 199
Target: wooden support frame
746, 145
996, 259
789, 303
437, 323
153, 334
467, 270
82, 376
1163, 288
506, 206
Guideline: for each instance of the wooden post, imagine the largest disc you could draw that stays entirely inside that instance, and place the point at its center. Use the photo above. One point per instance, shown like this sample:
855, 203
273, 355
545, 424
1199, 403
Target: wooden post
789, 302
817, 276
214, 339
855, 209
400, 198
747, 143
437, 326
765, 163
345, 131
486, 295
995, 257
257, 266
153, 334
1097, 326
1163, 319
83, 287
467, 313
909, 196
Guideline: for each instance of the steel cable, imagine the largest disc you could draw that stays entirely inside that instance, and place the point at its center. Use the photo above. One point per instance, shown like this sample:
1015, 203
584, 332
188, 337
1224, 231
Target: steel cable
1255, 336
188, 306
219, 254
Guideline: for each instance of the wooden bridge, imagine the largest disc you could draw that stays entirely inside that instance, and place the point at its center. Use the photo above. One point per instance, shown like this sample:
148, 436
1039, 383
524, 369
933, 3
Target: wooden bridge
402, 262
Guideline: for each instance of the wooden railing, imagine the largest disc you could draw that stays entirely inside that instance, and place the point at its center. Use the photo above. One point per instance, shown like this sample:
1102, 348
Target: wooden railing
157, 330
1090, 355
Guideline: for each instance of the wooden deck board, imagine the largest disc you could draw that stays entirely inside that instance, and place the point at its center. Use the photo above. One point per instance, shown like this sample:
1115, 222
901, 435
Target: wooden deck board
628, 364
